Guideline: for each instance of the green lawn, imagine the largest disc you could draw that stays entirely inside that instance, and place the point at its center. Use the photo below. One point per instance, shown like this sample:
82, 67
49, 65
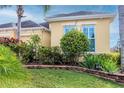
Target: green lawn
57, 78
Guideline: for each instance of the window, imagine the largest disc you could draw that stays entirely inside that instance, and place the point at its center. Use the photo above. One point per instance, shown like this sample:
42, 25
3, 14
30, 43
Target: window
89, 32
68, 28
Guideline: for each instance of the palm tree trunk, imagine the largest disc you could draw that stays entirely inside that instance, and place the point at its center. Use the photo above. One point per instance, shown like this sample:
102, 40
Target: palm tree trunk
20, 12
18, 28
121, 31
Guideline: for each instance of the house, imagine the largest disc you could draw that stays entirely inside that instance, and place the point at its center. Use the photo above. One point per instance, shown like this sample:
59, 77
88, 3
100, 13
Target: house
95, 25
28, 29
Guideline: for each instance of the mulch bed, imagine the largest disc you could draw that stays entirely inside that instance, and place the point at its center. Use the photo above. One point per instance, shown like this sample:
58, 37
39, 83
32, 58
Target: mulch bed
108, 76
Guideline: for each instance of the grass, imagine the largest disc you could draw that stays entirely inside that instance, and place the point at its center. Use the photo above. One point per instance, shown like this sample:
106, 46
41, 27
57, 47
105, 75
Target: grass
51, 78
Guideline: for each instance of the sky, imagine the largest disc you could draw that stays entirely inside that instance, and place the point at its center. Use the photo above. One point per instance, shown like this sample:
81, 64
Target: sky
36, 14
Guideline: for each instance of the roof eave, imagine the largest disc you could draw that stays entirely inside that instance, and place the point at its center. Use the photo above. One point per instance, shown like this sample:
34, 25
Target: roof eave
112, 16
28, 28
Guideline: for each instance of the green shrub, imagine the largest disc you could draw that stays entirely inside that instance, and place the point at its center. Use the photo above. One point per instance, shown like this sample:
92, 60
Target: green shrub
9, 64
115, 57
90, 61
109, 66
105, 62
73, 44
50, 55
29, 51
25, 54
45, 55
57, 56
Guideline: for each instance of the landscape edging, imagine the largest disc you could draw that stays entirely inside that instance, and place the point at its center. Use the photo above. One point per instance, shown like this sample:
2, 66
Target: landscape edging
109, 76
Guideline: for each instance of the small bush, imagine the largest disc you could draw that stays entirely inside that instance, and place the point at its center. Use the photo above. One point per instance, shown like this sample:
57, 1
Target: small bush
115, 57
50, 55
90, 61
25, 54
109, 66
9, 64
29, 51
6, 41
11, 43
105, 62
73, 44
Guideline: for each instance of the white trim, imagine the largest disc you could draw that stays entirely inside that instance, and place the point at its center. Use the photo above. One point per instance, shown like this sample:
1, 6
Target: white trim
88, 34
80, 23
25, 35
95, 37
68, 23
32, 28
80, 17
9, 28
87, 23
22, 29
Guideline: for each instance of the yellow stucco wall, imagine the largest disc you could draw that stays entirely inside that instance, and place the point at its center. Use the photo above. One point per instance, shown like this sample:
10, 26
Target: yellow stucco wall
7, 32
102, 37
43, 34
26, 34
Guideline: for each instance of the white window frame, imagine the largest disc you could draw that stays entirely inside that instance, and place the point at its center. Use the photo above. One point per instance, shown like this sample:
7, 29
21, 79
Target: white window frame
68, 25
86, 25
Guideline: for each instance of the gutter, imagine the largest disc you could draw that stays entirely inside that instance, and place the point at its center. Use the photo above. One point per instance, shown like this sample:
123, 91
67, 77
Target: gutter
22, 29
96, 16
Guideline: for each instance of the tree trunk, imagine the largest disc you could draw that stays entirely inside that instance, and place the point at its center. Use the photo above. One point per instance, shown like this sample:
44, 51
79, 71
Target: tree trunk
20, 12
18, 28
121, 31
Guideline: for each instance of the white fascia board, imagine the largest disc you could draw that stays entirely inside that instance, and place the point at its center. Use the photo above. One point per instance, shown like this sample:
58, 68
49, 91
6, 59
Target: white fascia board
22, 29
81, 17
32, 28
9, 28
79, 23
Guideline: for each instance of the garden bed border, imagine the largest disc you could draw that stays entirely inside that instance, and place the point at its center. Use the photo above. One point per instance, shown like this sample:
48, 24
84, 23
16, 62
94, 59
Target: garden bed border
119, 78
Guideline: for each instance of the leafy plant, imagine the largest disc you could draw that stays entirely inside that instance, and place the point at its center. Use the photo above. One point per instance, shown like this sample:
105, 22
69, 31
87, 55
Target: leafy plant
29, 52
104, 62
10, 42
73, 44
9, 64
51, 55
109, 66
90, 61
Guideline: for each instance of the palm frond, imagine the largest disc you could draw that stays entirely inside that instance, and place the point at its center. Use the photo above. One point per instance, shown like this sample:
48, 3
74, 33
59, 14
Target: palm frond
46, 8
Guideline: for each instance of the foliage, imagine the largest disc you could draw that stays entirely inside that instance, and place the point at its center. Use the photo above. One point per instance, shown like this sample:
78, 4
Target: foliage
90, 61
109, 66
10, 42
29, 51
105, 62
35, 39
9, 64
25, 53
51, 55
74, 42
115, 57
33, 52
7, 41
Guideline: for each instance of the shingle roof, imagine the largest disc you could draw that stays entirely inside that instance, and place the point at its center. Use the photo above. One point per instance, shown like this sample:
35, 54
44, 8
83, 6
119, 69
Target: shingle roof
24, 24
45, 24
76, 14
29, 23
7, 25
